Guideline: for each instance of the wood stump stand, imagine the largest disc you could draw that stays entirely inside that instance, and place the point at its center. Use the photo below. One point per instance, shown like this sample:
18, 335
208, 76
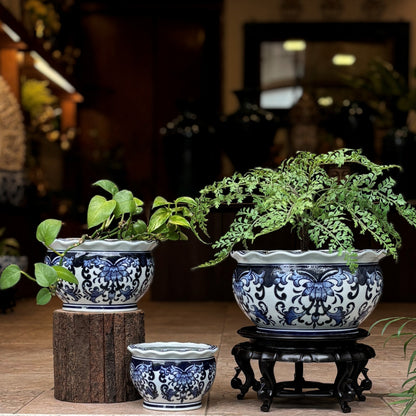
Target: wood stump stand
91, 360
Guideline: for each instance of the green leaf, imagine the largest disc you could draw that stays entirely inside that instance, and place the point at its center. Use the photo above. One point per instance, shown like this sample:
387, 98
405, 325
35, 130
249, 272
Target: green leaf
45, 275
125, 203
159, 201
178, 220
158, 219
48, 230
185, 200
65, 274
138, 202
139, 227
99, 210
107, 185
43, 296
10, 276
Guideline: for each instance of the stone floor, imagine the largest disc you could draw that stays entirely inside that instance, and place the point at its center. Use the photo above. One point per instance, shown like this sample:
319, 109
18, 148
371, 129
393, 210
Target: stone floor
26, 367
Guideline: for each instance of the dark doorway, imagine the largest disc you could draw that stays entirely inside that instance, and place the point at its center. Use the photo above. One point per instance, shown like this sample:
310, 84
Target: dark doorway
138, 60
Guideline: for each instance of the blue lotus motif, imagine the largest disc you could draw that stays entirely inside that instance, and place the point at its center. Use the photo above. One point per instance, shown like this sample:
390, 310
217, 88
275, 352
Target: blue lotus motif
306, 296
173, 382
105, 279
183, 383
113, 272
142, 377
318, 291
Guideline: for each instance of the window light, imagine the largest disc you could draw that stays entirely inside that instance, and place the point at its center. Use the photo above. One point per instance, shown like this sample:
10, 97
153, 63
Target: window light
343, 59
294, 45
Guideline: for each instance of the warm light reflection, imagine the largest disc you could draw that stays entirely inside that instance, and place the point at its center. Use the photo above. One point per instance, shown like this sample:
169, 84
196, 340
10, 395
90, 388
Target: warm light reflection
42, 66
344, 59
325, 101
294, 45
10, 33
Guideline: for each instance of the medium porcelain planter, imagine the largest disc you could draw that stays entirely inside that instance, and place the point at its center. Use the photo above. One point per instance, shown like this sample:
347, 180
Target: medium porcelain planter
306, 292
112, 274
172, 375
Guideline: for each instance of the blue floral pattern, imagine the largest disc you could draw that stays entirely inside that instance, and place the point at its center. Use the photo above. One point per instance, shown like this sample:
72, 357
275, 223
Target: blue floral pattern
172, 383
105, 278
293, 297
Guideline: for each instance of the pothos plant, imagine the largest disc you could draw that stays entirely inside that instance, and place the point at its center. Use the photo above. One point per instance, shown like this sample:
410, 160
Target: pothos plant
323, 211
117, 217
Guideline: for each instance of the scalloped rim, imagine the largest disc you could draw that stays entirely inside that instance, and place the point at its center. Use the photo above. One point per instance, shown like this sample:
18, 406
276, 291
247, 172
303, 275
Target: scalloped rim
61, 244
303, 257
172, 350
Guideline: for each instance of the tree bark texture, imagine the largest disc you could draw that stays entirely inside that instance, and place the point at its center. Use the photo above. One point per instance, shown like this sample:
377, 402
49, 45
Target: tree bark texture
91, 360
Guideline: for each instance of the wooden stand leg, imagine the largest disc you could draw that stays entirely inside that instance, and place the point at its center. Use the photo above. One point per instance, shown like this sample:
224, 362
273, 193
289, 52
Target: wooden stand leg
91, 361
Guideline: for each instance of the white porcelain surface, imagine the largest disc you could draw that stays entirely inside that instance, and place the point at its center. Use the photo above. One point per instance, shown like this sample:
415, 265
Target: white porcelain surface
303, 292
172, 376
112, 274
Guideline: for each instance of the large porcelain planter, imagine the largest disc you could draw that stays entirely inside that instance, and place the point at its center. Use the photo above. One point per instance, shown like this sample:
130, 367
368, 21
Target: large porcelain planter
112, 274
172, 375
306, 292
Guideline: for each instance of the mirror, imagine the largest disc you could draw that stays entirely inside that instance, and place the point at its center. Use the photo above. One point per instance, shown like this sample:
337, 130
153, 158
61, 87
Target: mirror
316, 56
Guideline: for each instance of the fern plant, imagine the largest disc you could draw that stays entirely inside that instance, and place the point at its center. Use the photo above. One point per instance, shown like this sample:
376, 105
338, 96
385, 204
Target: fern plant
406, 398
322, 210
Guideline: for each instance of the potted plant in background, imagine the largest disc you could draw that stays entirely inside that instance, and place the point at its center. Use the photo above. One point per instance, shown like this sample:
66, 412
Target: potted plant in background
406, 331
111, 267
328, 284
9, 254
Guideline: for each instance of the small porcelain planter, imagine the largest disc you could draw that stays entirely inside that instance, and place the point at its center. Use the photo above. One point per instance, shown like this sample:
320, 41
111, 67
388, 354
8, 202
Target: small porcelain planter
306, 292
172, 375
112, 274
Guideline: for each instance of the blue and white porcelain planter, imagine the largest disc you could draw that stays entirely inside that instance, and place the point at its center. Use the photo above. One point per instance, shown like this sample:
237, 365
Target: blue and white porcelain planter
306, 292
172, 375
112, 274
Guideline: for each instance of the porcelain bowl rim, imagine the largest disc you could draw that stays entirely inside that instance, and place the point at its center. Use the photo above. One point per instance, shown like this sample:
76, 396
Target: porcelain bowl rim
61, 244
310, 256
172, 350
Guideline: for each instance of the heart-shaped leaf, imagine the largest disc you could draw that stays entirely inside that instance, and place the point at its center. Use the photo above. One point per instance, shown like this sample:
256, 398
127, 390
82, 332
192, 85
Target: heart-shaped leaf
125, 203
178, 220
10, 276
185, 200
159, 201
48, 230
43, 296
139, 227
65, 274
45, 275
158, 219
107, 185
99, 210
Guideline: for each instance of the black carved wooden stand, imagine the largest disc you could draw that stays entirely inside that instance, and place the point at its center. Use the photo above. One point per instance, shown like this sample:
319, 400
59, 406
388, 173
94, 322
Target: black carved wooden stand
268, 348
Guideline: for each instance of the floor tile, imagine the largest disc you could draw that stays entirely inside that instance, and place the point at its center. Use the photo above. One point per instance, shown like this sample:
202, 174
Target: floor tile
26, 363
